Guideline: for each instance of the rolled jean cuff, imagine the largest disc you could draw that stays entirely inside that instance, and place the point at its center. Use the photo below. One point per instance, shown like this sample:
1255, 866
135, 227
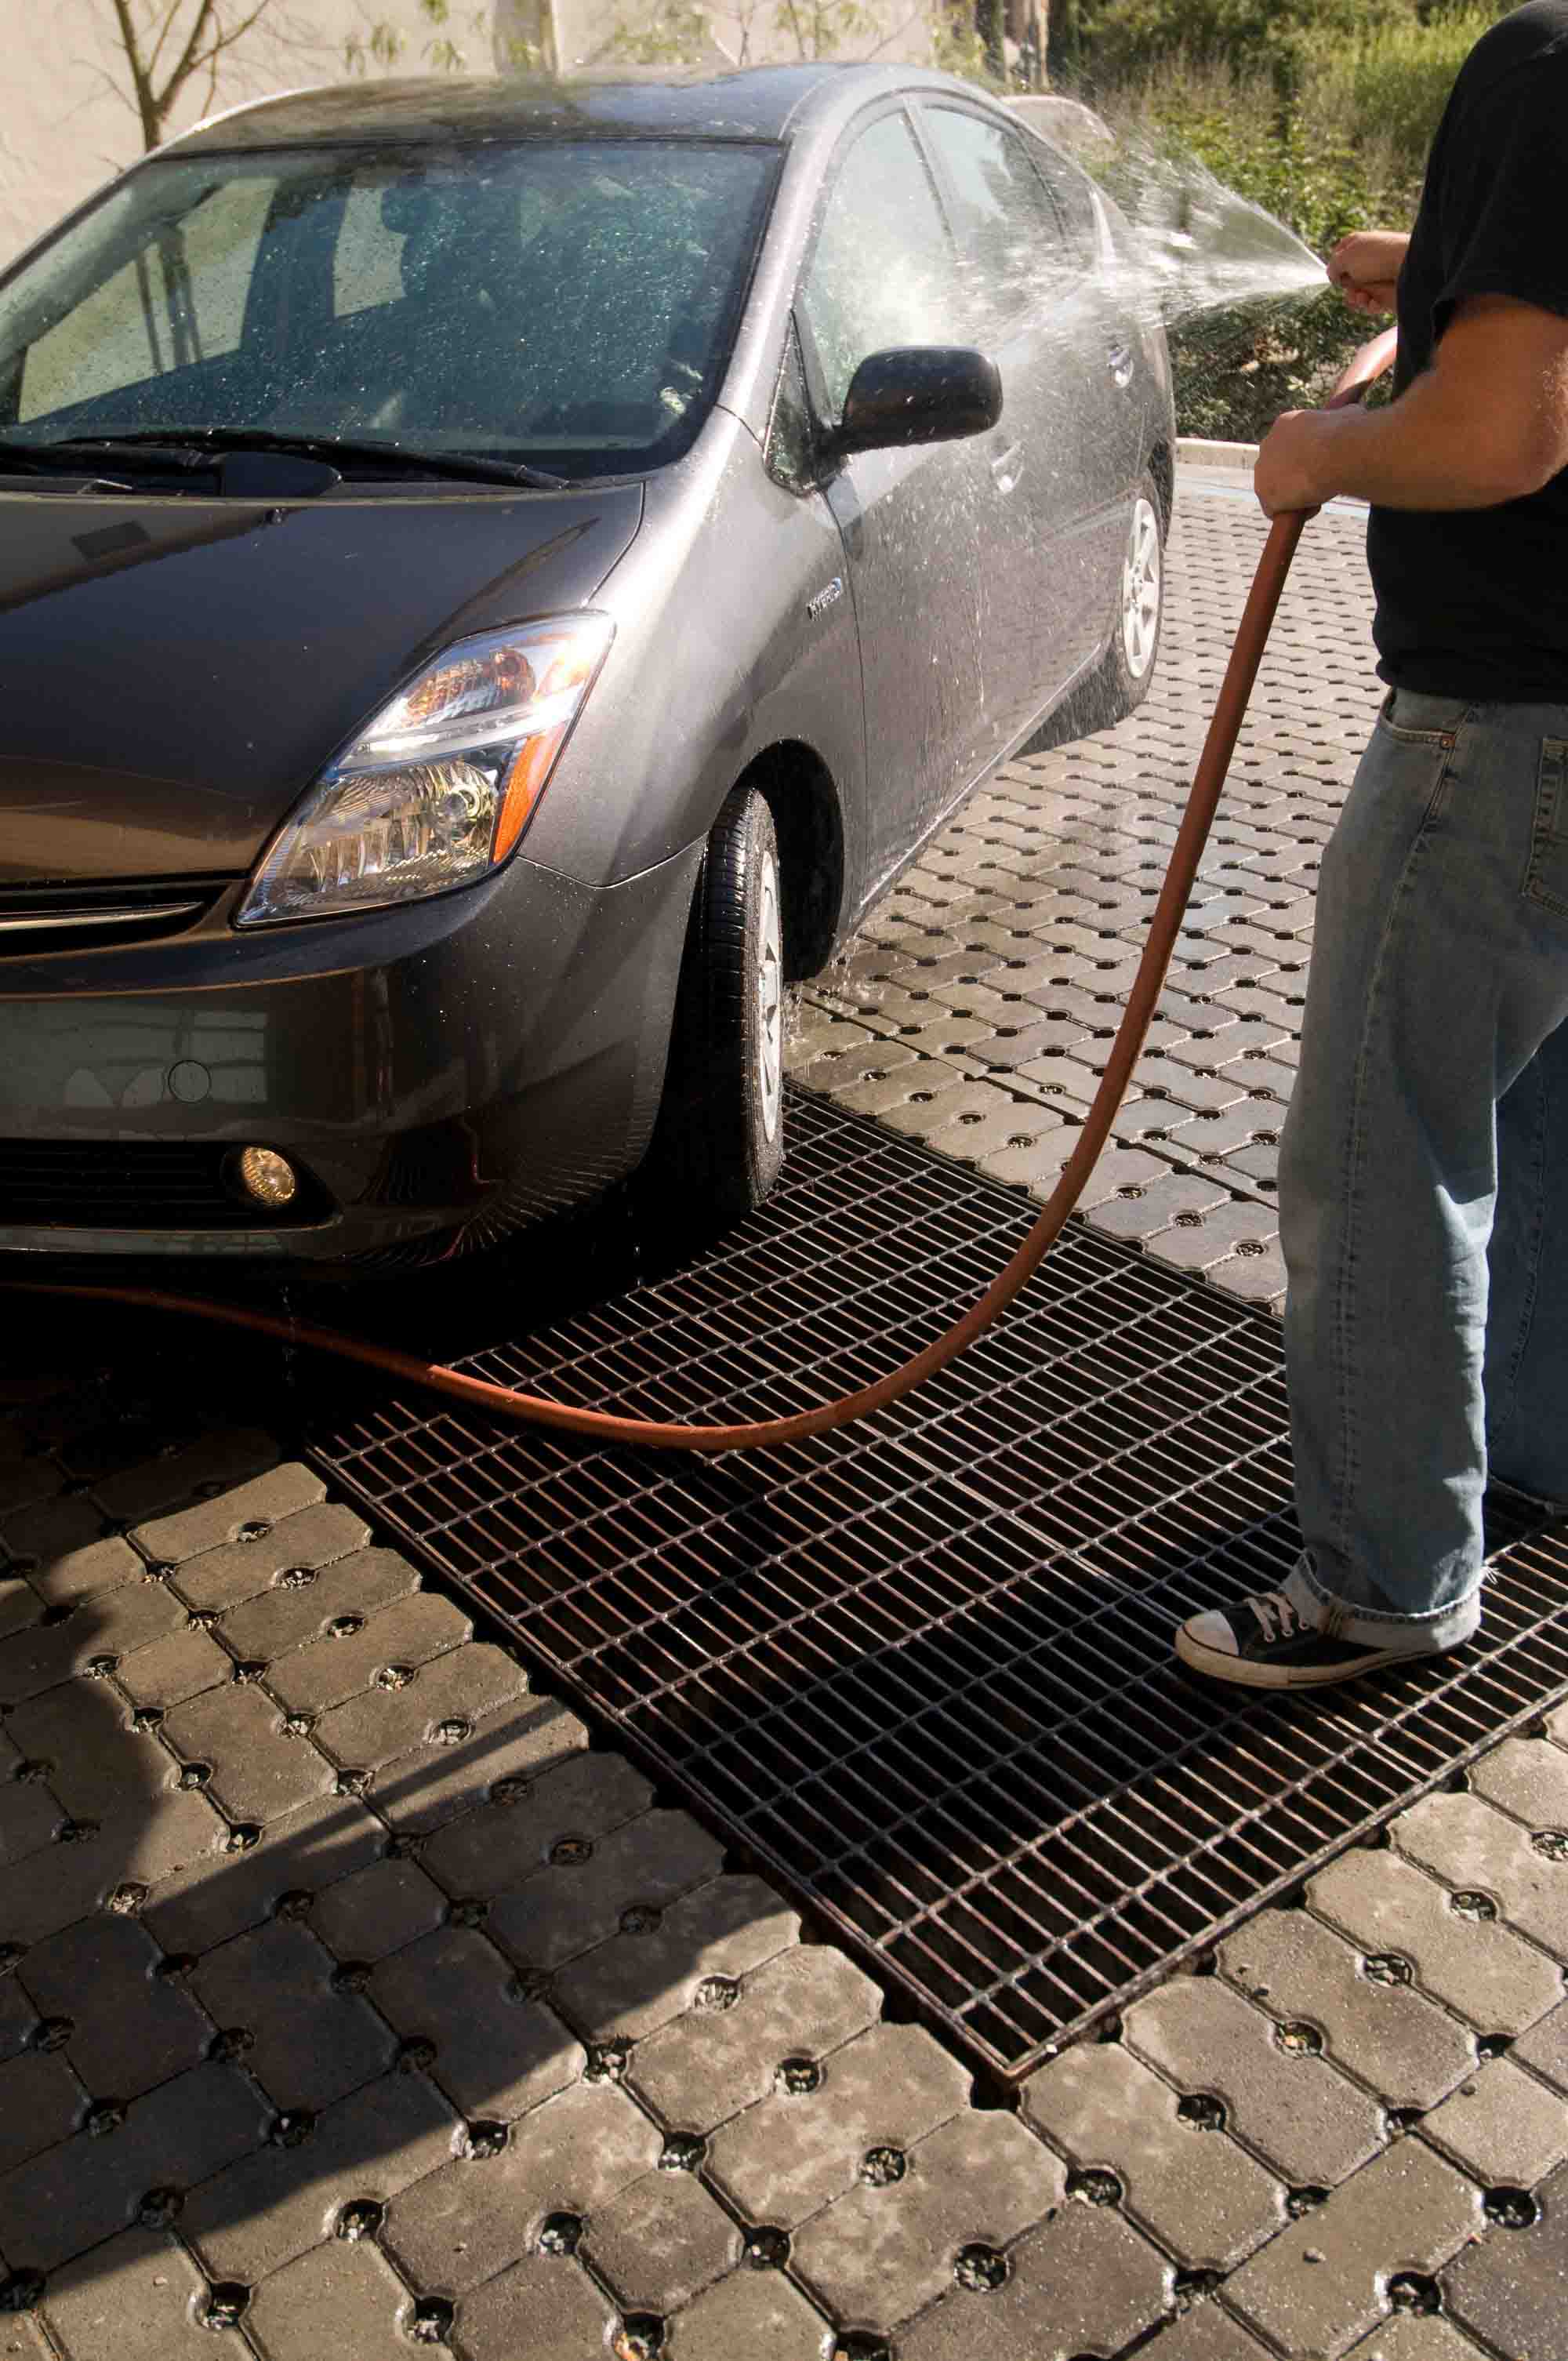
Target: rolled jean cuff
1413, 1635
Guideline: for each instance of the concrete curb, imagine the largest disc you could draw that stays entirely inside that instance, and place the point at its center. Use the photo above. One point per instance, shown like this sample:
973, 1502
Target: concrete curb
1198, 453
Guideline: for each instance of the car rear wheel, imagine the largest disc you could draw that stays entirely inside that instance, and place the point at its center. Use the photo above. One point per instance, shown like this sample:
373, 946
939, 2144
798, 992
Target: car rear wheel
720, 1132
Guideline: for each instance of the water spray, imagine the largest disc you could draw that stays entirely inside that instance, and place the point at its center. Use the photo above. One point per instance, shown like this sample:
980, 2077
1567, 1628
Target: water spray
1199, 246
606, 1426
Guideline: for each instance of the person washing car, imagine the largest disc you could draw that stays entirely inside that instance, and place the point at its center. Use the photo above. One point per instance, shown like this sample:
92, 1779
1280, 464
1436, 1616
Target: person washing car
1423, 1181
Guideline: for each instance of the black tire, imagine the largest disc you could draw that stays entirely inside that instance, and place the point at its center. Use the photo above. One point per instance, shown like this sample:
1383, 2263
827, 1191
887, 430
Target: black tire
718, 1145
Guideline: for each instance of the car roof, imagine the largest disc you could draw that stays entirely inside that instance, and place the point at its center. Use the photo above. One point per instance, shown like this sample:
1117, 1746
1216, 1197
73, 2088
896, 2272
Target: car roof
773, 103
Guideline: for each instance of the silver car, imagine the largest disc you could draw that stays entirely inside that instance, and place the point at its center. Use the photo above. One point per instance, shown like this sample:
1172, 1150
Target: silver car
495, 580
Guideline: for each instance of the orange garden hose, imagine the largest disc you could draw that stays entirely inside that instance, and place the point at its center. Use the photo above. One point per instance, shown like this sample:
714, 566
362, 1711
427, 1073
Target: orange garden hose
604, 1426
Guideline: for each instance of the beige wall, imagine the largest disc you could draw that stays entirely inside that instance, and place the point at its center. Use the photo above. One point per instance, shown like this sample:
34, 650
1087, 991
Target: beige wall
65, 127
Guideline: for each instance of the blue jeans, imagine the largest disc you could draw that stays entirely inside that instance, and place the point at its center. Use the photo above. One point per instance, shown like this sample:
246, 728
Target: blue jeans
1423, 1177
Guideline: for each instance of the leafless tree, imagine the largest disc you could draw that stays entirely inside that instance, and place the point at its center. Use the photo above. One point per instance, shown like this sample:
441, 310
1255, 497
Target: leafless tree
168, 48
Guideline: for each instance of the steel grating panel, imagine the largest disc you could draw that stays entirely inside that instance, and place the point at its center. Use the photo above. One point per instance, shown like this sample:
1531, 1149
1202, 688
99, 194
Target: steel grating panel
922, 1669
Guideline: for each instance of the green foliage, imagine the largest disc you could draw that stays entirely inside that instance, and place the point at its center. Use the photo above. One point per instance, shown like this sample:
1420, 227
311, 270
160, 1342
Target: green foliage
665, 36
1400, 77
382, 45
678, 32
1119, 37
1234, 371
958, 45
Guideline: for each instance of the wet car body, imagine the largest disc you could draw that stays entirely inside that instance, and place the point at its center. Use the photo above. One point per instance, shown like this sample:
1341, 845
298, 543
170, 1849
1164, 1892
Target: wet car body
867, 639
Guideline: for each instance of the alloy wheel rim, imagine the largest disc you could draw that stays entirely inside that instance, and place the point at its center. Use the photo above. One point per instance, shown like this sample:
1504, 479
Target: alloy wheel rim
769, 1000
1141, 590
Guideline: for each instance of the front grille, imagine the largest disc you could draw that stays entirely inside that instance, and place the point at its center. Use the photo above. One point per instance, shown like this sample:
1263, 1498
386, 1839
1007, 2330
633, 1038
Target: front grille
35, 919
131, 1185
922, 1668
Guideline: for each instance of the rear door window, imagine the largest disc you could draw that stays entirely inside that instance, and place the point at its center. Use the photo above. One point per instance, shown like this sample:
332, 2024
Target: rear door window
1010, 240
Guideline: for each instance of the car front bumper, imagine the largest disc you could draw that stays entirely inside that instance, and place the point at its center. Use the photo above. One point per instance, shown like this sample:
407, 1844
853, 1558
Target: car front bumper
456, 1066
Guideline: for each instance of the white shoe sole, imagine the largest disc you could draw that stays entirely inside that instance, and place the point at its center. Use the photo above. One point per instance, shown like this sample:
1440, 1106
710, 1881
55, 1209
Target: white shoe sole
1241, 1673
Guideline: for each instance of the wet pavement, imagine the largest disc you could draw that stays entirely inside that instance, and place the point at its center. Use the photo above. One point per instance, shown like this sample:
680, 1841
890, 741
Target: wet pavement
354, 1999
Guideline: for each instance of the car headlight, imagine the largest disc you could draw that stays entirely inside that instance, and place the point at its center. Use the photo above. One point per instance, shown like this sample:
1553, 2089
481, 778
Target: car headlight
439, 786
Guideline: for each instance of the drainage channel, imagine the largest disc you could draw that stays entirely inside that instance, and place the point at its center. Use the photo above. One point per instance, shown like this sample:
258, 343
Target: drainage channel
921, 1669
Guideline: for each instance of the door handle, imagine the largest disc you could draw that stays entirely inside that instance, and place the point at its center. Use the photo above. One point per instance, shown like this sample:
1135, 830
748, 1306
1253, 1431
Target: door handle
1007, 469
1120, 360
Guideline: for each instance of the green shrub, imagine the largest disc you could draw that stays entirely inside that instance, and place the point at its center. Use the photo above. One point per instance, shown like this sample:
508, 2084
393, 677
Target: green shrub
1234, 371
1396, 82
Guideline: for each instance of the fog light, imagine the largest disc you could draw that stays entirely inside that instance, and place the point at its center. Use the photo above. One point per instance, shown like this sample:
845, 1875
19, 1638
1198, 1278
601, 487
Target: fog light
266, 1177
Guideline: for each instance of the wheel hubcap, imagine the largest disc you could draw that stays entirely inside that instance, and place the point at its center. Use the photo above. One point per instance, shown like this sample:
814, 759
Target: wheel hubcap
1141, 590
769, 1000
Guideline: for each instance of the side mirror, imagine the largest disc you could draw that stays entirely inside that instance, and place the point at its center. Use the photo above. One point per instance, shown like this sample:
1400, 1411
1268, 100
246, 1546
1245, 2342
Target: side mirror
919, 393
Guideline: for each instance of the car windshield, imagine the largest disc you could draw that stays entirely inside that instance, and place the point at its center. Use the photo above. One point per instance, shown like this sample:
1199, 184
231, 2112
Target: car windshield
567, 302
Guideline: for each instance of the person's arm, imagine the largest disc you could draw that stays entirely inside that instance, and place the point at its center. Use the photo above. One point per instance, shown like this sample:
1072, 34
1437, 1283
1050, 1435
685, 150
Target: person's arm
1487, 423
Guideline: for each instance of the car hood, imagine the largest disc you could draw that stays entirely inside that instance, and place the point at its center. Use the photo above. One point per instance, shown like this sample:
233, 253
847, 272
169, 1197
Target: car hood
174, 672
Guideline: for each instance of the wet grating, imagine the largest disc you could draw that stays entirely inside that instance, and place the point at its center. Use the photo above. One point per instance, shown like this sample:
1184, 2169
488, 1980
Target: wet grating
921, 1669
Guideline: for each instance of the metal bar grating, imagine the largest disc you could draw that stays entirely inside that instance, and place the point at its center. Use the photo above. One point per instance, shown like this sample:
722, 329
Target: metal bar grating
922, 1668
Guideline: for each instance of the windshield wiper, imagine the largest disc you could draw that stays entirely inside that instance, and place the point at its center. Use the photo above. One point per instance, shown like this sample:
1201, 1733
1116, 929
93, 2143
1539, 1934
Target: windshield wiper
188, 446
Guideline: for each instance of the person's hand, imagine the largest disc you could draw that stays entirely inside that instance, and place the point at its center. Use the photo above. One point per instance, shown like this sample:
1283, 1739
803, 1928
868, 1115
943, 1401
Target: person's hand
1291, 470
1366, 268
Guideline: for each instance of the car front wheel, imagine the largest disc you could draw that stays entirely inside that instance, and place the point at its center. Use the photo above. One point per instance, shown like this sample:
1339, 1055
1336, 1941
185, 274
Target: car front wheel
720, 1132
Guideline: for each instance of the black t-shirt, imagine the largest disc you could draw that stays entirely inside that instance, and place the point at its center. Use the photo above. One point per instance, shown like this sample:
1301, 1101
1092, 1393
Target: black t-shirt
1471, 603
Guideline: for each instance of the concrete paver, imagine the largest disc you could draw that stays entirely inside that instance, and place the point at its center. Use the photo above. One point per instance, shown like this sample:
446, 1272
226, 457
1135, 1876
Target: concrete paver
795, 2150
1194, 2190
279, 2200
305, 2040
457, 2227
881, 2253
708, 2064
1502, 2127
752, 2312
138, 2297
1374, 2024
1321, 2284
226, 1886
347, 2282
1207, 2334
1513, 2291
129, 2027
1475, 1964
302, 1541
1281, 2097
1480, 1851
542, 2303
493, 2053
629, 1879
1086, 2283
1416, 2336
1526, 1777
65, 2201
1545, 2049
660, 2242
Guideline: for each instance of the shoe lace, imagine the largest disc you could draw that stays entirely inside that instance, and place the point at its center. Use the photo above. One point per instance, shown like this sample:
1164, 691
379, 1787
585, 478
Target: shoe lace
1276, 1615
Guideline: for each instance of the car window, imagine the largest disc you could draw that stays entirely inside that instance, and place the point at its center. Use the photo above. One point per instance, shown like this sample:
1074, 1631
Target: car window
1074, 195
1010, 238
179, 301
572, 299
883, 273
790, 452
366, 262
